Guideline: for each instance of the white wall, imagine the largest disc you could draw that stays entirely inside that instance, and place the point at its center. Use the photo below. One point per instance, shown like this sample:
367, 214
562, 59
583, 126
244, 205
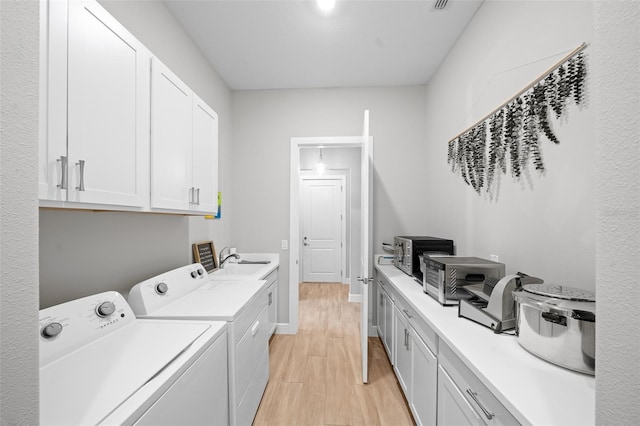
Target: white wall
264, 123
545, 225
617, 89
130, 247
19, 362
342, 162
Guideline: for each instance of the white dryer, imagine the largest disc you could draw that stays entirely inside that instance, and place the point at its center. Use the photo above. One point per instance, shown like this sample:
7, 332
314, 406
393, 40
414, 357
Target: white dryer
186, 293
101, 365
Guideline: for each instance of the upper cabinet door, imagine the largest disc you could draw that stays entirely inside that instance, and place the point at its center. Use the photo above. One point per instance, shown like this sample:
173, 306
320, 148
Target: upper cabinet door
171, 144
205, 157
108, 80
52, 154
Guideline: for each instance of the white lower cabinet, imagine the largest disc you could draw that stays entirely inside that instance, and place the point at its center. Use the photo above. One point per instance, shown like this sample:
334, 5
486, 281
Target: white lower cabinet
438, 386
402, 365
416, 369
453, 408
461, 395
385, 318
424, 389
272, 303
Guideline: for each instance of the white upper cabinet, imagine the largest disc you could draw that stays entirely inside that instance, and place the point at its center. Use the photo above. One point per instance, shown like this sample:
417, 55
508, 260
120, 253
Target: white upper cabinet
119, 131
171, 123
184, 146
52, 156
104, 144
205, 156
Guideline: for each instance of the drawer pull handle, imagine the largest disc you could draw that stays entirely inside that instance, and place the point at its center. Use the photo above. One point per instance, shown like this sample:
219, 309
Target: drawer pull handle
80, 186
407, 313
255, 327
474, 395
64, 172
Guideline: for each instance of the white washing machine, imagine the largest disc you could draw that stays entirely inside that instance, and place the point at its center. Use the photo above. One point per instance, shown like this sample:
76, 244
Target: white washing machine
101, 365
186, 293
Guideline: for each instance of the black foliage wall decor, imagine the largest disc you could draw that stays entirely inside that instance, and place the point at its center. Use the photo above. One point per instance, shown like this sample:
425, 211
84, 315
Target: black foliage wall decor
515, 128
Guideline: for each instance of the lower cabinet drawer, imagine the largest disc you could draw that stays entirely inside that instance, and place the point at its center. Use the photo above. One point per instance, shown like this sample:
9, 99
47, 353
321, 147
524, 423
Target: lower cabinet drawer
249, 350
478, 396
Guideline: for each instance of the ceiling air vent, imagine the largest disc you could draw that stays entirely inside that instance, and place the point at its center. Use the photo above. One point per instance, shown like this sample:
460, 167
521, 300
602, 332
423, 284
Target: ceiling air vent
440, 4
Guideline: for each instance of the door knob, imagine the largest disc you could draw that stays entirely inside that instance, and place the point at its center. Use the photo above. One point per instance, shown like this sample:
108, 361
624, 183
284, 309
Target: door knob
304, 242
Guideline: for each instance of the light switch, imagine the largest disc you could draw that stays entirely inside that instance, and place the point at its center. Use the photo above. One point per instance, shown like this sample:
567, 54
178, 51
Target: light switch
285, 245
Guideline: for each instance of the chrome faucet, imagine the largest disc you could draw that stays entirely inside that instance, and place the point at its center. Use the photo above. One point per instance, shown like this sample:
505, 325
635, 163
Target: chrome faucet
222, 259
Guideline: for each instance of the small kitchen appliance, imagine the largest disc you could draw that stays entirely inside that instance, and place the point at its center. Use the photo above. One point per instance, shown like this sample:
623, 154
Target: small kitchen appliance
558, 323
408, 249
446, 277
492, 304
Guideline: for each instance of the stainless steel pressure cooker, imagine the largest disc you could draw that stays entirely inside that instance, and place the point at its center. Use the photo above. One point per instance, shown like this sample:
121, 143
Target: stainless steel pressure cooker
558, 324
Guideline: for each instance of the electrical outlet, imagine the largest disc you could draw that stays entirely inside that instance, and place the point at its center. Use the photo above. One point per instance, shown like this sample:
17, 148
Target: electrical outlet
285, 245
494, 257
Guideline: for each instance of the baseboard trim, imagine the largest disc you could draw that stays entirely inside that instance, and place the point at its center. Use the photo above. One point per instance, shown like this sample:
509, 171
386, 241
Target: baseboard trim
283, 328
355, 298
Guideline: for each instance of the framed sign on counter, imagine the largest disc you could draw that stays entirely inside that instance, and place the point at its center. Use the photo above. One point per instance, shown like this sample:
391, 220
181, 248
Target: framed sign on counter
205, 253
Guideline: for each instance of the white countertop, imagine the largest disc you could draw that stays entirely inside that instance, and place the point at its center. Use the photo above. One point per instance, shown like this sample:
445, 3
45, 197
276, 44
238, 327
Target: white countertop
535, 391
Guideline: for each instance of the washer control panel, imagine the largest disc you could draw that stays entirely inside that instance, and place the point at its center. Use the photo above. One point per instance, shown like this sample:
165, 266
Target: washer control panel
150, 295
73, 324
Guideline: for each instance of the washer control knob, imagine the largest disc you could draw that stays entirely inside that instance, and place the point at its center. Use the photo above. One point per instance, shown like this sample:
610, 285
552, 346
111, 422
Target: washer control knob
105, 309
51, 330
200, 271
194, 274
162, 288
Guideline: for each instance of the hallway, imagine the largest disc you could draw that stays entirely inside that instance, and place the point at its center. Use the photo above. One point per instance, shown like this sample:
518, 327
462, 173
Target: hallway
315, 376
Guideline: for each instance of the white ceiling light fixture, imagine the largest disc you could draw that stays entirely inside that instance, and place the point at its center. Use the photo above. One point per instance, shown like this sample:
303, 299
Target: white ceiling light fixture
326, 5
320, 166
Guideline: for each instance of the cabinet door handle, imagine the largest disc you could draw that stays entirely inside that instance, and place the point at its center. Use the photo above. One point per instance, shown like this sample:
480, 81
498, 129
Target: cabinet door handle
255, 327
191, 195
406, 339
80, 186
64, 172
270, 298
474, 395
407, 313
198, 196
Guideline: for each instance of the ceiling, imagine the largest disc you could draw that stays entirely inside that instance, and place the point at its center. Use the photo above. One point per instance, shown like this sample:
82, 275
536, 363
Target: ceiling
281, 44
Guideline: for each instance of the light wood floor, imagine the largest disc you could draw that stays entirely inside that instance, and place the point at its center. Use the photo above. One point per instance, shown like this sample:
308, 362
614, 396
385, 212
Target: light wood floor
316, 377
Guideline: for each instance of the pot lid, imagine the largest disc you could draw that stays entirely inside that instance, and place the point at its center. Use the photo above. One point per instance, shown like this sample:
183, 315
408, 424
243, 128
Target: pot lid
560, 292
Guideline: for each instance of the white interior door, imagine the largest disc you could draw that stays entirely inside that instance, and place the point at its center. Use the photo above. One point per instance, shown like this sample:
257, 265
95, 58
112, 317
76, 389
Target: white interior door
322, 217
365, 249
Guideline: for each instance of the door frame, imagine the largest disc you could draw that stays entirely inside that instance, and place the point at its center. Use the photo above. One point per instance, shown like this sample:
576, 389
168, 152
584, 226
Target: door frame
343, 225
294, 212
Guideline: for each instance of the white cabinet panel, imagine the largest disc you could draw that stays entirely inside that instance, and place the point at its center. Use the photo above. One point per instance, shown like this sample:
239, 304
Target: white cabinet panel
205, 156
272, 304
453, 408
402, 364
107, 91
53, 101
95, 110
184, 146
171, 127
424, 382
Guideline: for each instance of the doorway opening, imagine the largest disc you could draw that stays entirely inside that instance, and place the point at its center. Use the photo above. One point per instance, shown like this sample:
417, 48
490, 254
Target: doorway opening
342, 156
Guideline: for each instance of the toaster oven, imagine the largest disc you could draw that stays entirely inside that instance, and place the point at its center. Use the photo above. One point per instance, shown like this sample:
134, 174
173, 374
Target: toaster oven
446, 276
407, 251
